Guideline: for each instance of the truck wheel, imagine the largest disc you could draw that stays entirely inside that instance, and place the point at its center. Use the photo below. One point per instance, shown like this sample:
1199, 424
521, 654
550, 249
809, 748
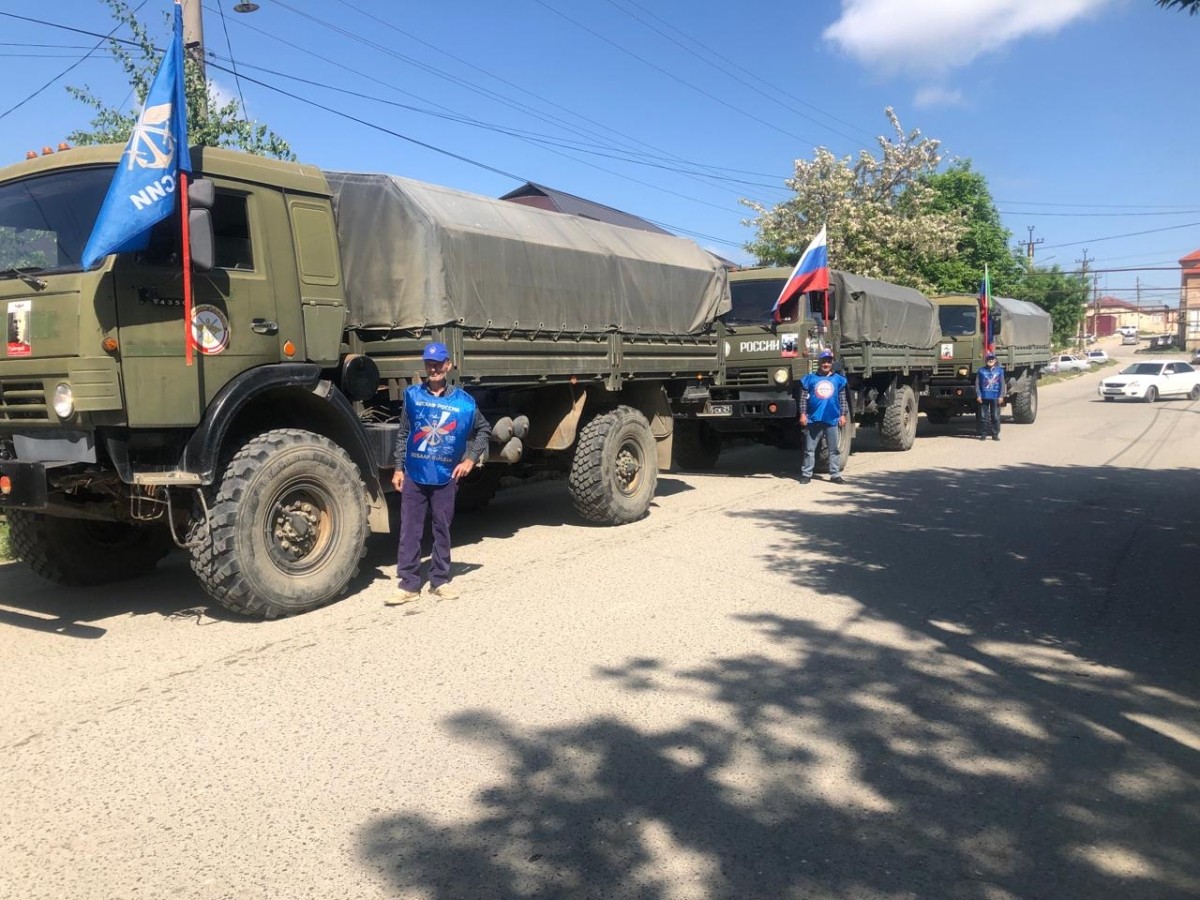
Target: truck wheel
898, 428
1025, 405
286, 526
845, 439
477, 490
85, 552
614, 472
696, 447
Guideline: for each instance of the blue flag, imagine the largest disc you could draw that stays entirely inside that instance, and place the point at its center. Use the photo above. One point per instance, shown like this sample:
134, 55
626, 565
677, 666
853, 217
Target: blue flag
144, 188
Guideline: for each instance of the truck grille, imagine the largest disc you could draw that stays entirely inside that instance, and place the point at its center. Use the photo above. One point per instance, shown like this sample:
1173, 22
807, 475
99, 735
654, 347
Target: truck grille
747, 378
23, 401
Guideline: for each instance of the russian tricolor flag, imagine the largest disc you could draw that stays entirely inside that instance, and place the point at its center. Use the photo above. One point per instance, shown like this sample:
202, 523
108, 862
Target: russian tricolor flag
811, 273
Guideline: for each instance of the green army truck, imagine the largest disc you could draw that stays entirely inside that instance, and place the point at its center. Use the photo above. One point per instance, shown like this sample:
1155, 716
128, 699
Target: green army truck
268, 459
885, 338
1021, 332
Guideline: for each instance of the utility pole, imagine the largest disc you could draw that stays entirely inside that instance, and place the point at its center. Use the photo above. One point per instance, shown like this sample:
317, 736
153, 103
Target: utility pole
1084, 272
193, 43
1029, 245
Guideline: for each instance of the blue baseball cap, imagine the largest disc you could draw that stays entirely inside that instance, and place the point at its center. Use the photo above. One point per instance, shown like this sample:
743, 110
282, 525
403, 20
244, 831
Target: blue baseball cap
825, 354
435, 352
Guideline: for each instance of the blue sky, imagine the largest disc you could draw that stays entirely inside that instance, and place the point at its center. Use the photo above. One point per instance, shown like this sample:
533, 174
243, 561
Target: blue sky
1080, 113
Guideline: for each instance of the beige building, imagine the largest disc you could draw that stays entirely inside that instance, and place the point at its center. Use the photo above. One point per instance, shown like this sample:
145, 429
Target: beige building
1106, 314
1189, 301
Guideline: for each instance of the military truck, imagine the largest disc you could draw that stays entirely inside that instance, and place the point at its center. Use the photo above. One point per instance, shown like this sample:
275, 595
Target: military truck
269, 458
1021, 333
885, 338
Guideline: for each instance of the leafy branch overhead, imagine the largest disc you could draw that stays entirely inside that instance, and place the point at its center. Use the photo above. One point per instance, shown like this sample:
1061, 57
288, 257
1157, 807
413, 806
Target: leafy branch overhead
223, 125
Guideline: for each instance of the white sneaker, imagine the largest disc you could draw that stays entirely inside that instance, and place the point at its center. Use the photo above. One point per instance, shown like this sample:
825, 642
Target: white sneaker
402, 598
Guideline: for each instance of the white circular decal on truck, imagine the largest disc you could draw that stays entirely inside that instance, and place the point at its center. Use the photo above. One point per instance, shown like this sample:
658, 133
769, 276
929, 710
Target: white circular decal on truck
210, 329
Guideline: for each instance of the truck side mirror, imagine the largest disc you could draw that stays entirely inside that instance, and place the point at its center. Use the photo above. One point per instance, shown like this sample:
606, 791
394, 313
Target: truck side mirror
201, 193
201, 242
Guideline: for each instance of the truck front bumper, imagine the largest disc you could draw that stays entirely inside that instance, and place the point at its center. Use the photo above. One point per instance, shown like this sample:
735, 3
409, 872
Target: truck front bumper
23, 485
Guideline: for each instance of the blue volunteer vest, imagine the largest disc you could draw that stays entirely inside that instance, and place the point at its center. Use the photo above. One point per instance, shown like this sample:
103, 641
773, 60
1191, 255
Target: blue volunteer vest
440, 426
990, 382
823, 390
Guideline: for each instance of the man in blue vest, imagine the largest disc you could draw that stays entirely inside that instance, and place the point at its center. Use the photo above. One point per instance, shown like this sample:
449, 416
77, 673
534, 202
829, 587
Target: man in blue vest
442, 437
990, 391
824, 408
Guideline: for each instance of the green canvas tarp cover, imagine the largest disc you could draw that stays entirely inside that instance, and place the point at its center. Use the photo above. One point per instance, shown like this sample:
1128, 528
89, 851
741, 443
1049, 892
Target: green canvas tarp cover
1022, 324
879, 312
417, 255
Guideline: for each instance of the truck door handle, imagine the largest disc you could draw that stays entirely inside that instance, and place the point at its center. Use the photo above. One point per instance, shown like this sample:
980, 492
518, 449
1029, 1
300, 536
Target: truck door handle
262, 326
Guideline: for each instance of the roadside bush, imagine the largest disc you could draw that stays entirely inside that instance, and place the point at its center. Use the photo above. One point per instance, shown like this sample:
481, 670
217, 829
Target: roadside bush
4, 552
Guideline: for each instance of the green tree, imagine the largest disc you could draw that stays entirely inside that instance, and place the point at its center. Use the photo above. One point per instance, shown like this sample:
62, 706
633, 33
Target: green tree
1062, 294
963, 192
224, 124
878, 210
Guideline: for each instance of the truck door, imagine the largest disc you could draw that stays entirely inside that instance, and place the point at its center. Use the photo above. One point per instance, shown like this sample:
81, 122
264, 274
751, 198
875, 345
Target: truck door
233, 314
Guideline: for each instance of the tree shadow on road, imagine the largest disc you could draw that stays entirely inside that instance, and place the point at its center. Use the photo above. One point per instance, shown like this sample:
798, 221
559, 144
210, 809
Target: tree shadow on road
1010, 712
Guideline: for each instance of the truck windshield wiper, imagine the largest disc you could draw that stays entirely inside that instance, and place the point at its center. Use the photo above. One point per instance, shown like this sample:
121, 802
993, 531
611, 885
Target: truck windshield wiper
24, 274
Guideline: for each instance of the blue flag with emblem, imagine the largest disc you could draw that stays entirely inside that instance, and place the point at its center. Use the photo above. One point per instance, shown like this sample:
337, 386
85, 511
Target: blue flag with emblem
145, 187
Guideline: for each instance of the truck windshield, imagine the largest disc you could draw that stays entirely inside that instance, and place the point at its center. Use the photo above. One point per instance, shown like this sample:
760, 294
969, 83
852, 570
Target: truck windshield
752, 301
957, 320
45, 221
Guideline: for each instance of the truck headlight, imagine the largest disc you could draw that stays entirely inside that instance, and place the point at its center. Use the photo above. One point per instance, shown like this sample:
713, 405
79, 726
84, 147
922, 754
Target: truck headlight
781, 376
64, 400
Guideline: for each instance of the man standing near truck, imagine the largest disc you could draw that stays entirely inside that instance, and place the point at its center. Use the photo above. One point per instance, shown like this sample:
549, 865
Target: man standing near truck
441, 439
990, 391
824, 408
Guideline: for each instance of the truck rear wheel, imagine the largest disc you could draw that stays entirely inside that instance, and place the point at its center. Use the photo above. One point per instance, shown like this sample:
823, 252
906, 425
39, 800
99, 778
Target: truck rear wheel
898, 428
476, 491
614, 472
695, 447
286, 526
85, 552
1025, 405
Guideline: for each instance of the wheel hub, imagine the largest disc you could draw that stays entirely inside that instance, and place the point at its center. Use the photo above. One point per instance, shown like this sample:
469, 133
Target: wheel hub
296, 528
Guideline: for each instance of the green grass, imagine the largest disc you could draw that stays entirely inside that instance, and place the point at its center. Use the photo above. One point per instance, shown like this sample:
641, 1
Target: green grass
4, 552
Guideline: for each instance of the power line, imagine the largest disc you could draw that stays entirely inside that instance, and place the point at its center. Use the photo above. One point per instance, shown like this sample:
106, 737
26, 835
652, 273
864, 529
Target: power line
1113, 237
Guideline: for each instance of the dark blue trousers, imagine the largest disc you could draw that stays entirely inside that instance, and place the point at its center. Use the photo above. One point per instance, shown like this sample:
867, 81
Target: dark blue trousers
416, 502
989, 418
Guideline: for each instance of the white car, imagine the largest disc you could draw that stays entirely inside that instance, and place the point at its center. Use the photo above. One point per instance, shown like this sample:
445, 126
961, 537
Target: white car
1097, 356
1065, 362
1150, 380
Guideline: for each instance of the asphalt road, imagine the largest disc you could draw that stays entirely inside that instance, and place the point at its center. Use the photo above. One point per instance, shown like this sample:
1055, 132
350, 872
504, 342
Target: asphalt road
969, 673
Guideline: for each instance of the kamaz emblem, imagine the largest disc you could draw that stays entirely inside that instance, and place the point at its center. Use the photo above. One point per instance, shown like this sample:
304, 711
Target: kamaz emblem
758, 346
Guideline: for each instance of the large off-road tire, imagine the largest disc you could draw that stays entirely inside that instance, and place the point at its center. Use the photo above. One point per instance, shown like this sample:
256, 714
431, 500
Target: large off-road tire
614, 472
898, 427
695, 446
85, 552
1025, 405
845, 439
286, 526
478, 489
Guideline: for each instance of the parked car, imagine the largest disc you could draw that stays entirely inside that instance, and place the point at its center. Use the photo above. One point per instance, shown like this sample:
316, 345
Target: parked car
1129, 339
1097, 356
1150, 380
1126, 330
1066, 362
1196, 357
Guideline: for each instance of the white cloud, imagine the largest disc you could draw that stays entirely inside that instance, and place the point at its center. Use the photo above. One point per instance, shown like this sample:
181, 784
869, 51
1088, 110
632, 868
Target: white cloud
922, 36
938, 96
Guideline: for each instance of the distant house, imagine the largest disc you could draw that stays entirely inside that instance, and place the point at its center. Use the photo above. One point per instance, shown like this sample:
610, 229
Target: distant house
542, 197
1189, 301
1105, 315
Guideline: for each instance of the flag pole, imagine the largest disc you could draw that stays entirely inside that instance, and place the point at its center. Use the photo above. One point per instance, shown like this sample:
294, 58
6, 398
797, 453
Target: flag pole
186, 233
